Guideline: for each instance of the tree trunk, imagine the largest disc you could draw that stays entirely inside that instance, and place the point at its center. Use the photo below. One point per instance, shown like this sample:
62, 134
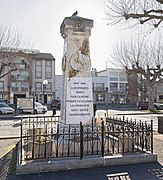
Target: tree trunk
151, 96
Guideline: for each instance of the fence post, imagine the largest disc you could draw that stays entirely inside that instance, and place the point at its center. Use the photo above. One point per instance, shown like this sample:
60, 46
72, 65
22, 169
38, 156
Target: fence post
92, 135
102, 140
69, 136
21, 140
133, 136
81, 140
152, 136
123, 138
142, 137
33, 143
57, 135
45, 136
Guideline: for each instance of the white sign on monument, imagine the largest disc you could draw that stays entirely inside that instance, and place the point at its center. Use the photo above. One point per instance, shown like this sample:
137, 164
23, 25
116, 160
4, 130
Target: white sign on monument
79, 100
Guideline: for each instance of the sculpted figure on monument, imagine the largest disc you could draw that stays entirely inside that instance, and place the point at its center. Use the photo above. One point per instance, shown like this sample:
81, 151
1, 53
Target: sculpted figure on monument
64, 63
80, 63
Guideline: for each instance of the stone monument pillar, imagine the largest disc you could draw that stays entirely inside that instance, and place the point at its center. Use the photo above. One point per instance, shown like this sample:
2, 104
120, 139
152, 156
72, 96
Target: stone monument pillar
77, 99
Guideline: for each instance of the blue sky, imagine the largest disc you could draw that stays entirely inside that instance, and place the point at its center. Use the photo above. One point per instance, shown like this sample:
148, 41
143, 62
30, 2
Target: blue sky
40, 21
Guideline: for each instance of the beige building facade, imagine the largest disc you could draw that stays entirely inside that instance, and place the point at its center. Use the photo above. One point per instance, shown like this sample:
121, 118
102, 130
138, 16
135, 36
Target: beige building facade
28, 81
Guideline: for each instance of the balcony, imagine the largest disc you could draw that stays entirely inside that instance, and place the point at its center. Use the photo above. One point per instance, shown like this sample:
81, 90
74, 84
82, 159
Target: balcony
19, 78
18, 89
14, 89
99, 89
24, 89
114, 89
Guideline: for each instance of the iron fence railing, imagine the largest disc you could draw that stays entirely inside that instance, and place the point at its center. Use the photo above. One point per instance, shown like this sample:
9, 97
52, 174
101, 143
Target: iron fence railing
129, 136
45, 137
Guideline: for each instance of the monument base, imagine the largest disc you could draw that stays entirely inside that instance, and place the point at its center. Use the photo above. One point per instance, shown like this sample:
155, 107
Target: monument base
60, 164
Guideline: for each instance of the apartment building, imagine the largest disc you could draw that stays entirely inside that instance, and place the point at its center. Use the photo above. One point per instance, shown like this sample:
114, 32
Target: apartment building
110, 86
35, 78
116, 86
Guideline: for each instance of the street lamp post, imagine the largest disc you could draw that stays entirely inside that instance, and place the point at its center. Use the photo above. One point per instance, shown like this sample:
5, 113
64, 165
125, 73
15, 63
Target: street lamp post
45, 82
106, 110
127, 89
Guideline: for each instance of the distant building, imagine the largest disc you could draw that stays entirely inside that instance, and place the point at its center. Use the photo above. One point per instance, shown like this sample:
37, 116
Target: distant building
29, 80
114, 86
159, 92
115, 83
109, 86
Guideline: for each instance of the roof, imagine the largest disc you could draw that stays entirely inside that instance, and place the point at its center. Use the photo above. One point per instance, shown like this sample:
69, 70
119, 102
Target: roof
33, 55
45, 56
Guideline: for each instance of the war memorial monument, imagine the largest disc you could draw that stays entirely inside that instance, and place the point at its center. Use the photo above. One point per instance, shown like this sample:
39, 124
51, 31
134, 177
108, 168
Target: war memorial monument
77, 100
75, 139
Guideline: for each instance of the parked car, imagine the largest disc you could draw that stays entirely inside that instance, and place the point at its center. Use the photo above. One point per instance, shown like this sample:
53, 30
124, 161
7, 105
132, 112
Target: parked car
39, 108
143, 105
6, 109
55, 104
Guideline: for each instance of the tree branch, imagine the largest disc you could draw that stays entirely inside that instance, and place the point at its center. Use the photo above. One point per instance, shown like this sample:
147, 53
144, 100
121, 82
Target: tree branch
143, 15
160, 1
144, 11
8, 72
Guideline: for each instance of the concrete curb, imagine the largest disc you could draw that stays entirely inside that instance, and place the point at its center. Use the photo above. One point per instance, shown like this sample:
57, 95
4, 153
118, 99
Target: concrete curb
87, 162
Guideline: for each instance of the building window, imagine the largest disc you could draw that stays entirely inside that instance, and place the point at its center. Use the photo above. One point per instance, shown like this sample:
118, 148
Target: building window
160, 97
122, 76
48, 64
38, 74
113, 76
24, 86
113, 79
99, 86
100, 97
48, 69
25, 75
1, 86
38, 69
38, 63
15, 86
159, 89
48, 87
48, 75
38, 86
20, 75
122, 87
114, 87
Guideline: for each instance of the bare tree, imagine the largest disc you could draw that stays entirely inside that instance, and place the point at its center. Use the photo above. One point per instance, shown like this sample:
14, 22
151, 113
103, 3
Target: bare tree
141, 57
135, 12
11, 41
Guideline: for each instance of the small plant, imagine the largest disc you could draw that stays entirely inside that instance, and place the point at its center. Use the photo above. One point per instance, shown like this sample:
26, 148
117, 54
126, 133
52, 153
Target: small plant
153, 111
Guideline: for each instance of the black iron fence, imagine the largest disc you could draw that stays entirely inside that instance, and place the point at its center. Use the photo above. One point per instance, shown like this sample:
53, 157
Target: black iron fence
129, 136
45, 137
